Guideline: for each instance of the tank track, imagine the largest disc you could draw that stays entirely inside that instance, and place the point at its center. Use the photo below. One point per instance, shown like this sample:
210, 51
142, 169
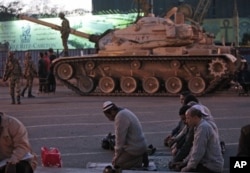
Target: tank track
212, 86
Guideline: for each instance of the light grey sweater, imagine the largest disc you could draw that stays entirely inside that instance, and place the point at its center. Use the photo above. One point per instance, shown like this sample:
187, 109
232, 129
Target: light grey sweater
129, 135
206, 147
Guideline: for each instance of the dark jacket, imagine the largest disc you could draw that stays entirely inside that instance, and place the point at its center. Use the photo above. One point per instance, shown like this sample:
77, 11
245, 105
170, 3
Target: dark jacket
42, 71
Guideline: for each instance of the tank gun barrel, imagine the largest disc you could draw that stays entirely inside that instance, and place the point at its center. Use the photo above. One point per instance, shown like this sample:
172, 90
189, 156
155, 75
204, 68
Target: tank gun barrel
55, 27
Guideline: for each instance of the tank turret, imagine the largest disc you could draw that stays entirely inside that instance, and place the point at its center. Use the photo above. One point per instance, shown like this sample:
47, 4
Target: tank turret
160, 36
157, 36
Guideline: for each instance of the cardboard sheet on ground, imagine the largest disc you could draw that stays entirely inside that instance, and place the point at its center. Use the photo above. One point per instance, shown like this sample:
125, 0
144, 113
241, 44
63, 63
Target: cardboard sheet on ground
101, 166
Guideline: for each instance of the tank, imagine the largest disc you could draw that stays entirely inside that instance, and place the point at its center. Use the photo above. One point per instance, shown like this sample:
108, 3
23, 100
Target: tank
152, 57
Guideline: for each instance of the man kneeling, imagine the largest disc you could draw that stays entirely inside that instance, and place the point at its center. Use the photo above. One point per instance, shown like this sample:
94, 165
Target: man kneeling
130, 143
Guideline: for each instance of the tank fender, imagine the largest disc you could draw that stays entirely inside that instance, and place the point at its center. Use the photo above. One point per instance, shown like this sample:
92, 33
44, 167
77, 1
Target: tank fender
232, 58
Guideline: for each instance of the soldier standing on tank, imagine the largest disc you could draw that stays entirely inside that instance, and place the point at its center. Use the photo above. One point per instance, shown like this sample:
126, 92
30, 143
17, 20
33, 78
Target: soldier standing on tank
65, 31
13, 72
29, 73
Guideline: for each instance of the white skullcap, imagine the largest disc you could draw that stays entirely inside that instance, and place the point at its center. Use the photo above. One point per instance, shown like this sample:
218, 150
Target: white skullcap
200, 108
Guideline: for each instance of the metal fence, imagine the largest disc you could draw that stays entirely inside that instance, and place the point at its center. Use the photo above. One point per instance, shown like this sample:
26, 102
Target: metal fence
35, 57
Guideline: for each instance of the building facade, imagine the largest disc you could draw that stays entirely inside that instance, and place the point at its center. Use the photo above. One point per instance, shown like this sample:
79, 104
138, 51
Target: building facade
217, 9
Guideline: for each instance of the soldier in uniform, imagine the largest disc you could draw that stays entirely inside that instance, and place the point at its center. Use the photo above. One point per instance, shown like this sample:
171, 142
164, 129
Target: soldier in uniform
65, 31
29, 74
13, 72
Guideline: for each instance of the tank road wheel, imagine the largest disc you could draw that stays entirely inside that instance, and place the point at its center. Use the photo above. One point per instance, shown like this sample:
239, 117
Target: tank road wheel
217, 67
151, 85
107, 84
65, 71
86, 84
135, 65
90, 65
175, 64
173, 85
128, 84
196, 85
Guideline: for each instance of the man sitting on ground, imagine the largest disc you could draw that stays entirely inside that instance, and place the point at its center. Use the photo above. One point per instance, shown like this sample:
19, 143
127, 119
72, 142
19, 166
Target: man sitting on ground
205, 155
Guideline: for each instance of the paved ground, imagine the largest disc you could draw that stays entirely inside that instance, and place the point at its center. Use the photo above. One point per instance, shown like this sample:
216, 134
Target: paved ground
76, 125
5, 84
78, 170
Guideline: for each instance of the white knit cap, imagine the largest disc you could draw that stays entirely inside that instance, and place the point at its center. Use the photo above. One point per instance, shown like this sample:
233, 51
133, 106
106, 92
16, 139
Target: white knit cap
107, 105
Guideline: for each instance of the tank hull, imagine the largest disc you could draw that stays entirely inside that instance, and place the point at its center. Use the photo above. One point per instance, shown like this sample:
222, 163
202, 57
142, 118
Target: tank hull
144, 75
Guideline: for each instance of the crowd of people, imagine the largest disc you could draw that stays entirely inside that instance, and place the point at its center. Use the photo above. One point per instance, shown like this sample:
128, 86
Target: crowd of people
13, 72
47, 82
195, 143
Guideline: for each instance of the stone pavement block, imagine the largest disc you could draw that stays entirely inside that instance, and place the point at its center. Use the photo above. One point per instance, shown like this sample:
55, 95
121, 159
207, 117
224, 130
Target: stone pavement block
82, 170
101, 166
63, 170
23, 82
159, 160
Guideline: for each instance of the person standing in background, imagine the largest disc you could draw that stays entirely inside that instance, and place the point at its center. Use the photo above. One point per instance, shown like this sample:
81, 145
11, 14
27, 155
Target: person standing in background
42, 74
13, 72
47, 61
29, 73
65, 31
183, 94
51, 77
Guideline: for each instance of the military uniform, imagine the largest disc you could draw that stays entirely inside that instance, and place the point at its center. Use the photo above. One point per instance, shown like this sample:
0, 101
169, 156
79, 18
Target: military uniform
65, 31
13, 72
29, 74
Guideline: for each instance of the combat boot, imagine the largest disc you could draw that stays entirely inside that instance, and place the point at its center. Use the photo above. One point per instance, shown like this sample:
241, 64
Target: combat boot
13, 100
30, 95
23, 92
18, 100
